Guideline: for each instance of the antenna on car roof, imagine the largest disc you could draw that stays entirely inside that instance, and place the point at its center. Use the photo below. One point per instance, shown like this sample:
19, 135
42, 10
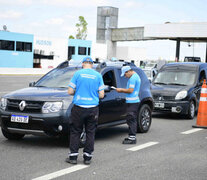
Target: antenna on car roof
63, 64
101, 65
128, 63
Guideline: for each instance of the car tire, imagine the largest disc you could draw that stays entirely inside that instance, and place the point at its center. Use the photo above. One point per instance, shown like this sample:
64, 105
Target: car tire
191, 110
12, 136
144, 119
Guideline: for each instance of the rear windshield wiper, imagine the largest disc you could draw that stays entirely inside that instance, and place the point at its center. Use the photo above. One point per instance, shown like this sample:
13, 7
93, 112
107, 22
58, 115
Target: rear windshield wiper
63, 87
177, 84
160, 83
39, 86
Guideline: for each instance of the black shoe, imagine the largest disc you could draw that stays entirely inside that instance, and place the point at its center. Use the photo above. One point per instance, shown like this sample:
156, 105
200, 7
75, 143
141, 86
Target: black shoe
87, 160
129, 141
72, 160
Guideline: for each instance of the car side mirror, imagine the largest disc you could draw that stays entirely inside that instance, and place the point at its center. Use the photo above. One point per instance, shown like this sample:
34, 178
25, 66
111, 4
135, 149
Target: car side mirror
200, 83
32, 84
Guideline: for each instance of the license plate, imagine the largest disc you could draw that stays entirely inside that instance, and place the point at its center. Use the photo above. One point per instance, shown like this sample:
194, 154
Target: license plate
159, 105
19, 119
173, 109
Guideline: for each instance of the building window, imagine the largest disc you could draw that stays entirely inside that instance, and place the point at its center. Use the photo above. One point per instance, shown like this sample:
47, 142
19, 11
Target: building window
89, 51
71, 51
24, 46
7, 45
81, 50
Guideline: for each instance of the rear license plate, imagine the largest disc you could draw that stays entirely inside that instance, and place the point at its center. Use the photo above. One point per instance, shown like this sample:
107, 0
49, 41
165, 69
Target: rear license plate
159, 105
19, 119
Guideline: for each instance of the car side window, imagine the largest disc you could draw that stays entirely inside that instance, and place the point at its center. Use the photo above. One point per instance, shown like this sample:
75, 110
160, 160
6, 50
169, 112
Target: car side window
202, 76
109, 78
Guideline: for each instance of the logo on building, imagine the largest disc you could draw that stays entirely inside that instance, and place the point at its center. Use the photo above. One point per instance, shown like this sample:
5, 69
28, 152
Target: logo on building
44, 42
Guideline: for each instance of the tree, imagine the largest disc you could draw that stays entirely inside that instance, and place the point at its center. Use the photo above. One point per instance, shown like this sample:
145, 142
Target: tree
81, 28
71, 37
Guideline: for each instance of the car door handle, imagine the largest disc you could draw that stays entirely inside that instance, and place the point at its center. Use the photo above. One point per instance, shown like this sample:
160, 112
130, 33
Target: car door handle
118, 99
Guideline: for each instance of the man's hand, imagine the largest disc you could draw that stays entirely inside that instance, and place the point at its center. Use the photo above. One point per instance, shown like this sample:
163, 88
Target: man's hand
119, 90
71, 91
122, 90
101, 94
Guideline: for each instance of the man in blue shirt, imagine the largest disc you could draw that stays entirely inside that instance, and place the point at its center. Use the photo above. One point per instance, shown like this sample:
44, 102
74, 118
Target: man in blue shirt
132, 100
87, 87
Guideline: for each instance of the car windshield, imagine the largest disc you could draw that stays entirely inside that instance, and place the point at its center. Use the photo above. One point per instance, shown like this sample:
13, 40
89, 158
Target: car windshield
147, 72
150, 65
58, 78
170, 77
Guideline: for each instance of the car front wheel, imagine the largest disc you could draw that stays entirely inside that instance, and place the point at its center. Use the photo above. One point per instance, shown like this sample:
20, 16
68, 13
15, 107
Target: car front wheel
191, 110
12, 136
144, 119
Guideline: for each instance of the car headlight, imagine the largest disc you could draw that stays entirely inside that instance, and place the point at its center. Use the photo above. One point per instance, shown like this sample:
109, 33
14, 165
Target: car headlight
3, 103
181, 95
50, 107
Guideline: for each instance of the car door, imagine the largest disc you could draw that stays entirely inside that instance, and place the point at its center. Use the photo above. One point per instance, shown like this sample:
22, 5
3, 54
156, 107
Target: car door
111, 106
202, 76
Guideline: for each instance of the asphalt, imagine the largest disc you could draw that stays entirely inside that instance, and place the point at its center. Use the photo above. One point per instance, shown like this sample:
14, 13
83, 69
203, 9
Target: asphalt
175, 156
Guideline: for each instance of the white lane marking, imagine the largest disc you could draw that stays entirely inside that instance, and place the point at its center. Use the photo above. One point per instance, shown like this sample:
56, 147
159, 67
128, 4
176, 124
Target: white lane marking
4, 92
191, 131
61, 172
136, 148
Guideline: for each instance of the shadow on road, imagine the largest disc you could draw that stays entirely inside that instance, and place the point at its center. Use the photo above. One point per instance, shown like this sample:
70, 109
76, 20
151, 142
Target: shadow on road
110, 132
61, 142
41, 142
170, 116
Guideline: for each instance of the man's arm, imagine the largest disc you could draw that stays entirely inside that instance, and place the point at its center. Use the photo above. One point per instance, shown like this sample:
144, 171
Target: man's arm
122, 90
101, 94
71, 91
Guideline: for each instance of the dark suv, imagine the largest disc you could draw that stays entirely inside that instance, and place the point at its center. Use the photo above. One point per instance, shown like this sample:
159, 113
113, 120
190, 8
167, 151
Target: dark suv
44, 107
177, 87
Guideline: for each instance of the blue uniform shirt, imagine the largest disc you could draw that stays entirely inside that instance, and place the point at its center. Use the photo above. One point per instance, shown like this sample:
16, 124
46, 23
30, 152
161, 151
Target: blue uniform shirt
133, 82
86, 83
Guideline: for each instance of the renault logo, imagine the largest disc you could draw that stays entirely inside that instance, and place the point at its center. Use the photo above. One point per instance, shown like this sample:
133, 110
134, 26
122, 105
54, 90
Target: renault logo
160, 98
22, 105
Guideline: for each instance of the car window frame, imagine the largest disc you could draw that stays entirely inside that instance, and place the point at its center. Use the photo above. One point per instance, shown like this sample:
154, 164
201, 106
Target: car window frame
105, 70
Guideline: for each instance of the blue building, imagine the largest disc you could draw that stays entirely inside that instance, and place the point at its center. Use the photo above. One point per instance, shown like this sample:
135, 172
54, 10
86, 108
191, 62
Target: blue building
78, 49
16, 50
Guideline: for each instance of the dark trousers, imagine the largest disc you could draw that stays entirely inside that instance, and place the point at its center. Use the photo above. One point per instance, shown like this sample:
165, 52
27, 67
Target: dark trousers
79, 117
132, 110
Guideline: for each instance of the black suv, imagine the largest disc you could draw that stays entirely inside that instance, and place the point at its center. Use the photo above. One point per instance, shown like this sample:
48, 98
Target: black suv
44, 107
177, 87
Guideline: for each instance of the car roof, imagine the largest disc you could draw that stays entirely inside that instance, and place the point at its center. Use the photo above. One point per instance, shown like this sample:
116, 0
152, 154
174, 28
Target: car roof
186, 64
97, 65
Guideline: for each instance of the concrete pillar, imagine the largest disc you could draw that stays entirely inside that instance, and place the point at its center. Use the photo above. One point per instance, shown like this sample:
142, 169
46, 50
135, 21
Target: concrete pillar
177, 54
111, 46
206, 53
111, 49
107, 18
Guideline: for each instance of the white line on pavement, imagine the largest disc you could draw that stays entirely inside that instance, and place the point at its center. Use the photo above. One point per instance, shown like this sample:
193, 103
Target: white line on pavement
191, 131
61, 172
136, 148
5, 92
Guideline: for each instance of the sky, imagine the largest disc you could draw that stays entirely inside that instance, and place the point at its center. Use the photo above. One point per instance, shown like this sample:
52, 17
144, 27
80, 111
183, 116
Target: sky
57, 18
